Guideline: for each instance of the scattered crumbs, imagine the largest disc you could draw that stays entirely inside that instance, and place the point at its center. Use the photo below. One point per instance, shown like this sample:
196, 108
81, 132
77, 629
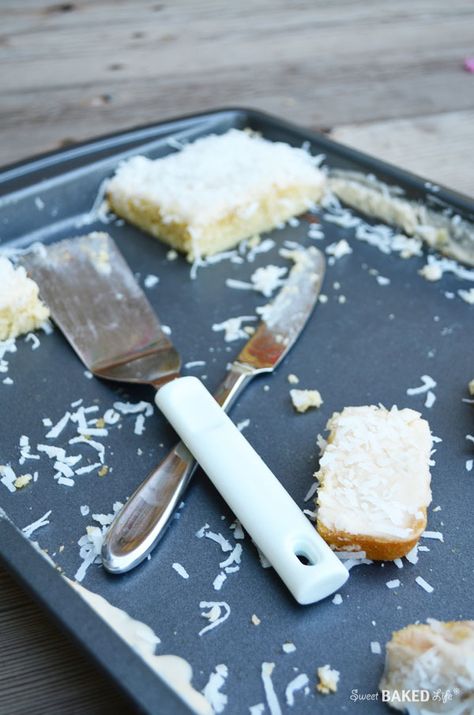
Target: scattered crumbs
255, 620
103, 471
328, 680
194, 363
243, 424
236, 526
424, 584
267, 279
312, 515
293, 379
88, 374
337, 600
233, 327
431, 272
383, 281
22, 481
311, 491
288, 647
339, 249
395, 583
34, 339
430, 399
38, 524
139, 426
219, 581
412, 556
151, 281
85, 510
298, 683
180, 570
171, 255
218, 538
428, 384
217, 613
111, 417
212, 690
467, 295
90, 543
8, 477
304, 399
257, 709
264, 562
272, 700
375, 648
433, 535
323, 298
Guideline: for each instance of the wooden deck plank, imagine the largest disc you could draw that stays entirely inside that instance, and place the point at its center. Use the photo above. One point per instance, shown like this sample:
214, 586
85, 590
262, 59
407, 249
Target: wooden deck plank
432, 146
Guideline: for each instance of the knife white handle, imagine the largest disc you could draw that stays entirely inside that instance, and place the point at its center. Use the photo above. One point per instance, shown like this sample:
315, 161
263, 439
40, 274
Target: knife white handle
267, 512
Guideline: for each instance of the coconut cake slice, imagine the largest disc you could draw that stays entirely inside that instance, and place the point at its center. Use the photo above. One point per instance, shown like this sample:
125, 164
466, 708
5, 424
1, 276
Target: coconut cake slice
216, 191
374, 481
21, 310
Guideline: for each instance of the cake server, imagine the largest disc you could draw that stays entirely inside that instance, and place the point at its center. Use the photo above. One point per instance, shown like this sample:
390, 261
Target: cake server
95, 300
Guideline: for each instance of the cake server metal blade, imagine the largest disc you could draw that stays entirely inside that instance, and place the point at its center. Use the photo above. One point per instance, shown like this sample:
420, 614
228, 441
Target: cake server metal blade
95, 300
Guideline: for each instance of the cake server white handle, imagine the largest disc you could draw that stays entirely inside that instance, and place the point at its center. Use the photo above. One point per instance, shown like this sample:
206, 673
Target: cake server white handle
267, 512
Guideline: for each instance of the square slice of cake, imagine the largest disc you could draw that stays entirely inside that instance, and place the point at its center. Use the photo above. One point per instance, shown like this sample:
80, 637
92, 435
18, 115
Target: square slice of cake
375, 481
216, 191
21, 310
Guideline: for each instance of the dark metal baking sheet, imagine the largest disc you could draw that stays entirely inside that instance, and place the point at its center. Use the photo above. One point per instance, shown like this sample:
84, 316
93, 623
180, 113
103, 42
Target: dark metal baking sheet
369, 349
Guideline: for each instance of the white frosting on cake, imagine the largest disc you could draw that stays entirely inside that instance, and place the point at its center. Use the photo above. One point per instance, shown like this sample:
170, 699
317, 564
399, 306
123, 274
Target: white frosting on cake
374, 472
20, 308
216, 175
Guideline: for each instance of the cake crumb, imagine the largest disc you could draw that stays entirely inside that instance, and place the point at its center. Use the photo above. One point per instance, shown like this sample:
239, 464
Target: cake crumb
255, 620
471, 388
294, 380
288, 647
328, 680
304, 399
22, 481
432, 272
103, 471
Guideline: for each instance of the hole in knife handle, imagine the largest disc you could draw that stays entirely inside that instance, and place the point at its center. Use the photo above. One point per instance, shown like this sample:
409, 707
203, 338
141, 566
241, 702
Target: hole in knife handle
304, 557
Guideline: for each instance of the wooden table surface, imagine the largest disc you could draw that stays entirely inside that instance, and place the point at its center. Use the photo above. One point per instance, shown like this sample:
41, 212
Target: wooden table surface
385, 77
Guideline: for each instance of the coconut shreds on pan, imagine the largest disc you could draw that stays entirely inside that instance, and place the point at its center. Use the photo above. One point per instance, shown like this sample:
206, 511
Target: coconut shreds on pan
68, 453
212, 690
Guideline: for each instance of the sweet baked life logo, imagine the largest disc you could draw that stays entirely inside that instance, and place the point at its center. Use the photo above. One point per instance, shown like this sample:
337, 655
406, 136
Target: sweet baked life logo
406, 696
